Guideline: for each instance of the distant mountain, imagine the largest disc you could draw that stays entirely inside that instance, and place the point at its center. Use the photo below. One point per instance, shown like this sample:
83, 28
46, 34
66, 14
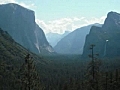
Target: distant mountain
73, 43
106, 38
20, 23
54, 38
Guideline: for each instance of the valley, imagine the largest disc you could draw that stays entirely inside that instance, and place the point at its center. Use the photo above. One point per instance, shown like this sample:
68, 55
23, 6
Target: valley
86, 59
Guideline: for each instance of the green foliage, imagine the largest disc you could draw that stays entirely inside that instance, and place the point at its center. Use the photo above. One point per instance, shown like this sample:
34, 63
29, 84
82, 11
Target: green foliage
54, 72
29, 77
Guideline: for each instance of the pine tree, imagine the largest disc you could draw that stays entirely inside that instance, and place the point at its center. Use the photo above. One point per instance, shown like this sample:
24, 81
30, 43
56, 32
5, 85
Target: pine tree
106, 81
116, 81
28, 75
7, 77
93, 71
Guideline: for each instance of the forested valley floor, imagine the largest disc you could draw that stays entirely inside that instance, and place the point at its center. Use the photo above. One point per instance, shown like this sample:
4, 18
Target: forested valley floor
60, 72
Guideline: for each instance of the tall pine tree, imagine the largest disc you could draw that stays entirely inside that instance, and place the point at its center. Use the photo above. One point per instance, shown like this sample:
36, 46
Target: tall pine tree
93, 73
29, 77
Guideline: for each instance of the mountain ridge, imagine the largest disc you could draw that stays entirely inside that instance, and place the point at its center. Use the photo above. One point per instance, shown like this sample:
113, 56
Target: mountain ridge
12, 52
20, 23
73, 43
54, 38
105, 38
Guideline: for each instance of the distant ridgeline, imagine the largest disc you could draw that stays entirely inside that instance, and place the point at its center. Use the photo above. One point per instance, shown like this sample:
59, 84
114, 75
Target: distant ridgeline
20, 23
106, 38
73, 43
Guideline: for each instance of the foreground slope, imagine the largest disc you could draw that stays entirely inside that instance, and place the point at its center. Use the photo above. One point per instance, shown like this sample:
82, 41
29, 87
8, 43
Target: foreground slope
12, 52
20, 23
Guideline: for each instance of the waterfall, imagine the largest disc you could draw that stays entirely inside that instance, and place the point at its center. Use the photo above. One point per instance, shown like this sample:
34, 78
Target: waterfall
105, 47
37, 42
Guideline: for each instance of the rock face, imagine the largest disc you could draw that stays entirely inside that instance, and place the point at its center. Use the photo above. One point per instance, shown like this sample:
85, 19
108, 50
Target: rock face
13, 53
54, 38
20, 23
106, 38
73, 43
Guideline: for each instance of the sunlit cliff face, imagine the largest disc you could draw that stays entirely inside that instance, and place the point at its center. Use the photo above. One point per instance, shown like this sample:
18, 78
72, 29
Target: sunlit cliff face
19, 22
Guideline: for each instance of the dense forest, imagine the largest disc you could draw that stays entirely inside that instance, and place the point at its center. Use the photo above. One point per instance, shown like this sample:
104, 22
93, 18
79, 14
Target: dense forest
22, 70
60, 72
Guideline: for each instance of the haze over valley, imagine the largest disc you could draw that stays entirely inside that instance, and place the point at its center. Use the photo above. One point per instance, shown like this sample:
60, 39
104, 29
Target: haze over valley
59, 45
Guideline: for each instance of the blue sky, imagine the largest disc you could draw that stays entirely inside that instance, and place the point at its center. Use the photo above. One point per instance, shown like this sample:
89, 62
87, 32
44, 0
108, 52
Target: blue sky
54, 9
60, 15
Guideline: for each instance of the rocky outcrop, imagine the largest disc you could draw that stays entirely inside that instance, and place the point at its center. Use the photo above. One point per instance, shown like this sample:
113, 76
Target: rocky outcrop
20, 23
106, 38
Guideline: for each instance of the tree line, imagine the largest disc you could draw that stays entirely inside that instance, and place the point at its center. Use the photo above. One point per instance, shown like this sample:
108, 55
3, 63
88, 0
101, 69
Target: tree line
72, 74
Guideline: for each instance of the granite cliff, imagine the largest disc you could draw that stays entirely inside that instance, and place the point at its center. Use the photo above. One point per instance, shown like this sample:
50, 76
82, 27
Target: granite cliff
20, 23
106, 38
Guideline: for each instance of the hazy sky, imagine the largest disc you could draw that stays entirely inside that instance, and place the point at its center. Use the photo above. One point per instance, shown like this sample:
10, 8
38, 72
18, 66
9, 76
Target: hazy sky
60, 15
